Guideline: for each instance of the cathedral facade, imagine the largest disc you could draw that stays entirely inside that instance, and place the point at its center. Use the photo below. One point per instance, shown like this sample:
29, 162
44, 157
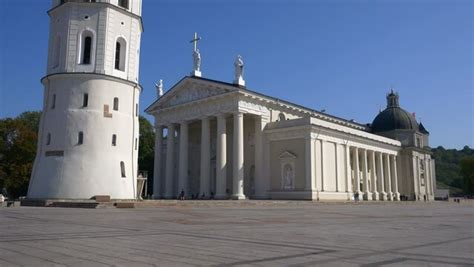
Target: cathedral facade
224, 141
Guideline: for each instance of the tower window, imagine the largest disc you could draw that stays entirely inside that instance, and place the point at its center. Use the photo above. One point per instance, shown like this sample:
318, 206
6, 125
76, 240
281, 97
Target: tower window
86, 57
53, 103
120, 49
123, 3
48, 139
136, 110
80, 138
281, 116
114, 140
122, 169
136, 143
116, 103
85, 100
117, 56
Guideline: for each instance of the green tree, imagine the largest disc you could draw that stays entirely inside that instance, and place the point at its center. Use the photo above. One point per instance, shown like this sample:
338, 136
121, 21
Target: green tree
467, 172
448, 167
146, 150
18, 140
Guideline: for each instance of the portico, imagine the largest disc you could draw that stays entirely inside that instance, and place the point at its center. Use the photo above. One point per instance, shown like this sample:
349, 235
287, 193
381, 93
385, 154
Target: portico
210, 160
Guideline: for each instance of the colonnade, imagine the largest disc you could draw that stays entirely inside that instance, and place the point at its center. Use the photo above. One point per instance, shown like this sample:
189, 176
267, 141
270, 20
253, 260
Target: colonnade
375, 174
169, 190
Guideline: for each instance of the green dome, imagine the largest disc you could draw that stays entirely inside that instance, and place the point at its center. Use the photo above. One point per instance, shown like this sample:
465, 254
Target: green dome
394, 117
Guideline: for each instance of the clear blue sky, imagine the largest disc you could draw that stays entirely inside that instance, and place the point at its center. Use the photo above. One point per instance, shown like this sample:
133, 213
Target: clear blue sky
342, 56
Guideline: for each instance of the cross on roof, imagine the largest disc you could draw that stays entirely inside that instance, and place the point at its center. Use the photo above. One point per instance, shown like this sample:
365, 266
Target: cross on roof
195, 40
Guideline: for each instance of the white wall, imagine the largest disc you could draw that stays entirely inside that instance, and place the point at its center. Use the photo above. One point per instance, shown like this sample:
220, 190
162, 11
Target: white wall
107, 24
92, 168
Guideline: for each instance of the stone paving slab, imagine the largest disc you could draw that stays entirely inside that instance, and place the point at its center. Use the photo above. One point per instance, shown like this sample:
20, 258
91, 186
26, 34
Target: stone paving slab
260, 233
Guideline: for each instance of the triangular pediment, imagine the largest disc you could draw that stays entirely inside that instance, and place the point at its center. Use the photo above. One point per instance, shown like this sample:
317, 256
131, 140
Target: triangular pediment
190, 89
287, 155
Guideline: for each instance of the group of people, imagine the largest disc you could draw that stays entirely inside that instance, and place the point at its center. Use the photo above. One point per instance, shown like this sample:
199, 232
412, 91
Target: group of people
402, 197
182, 196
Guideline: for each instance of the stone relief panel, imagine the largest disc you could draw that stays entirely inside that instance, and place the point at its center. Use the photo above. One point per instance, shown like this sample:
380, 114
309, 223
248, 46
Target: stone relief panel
248, 106
197, 111
192, 94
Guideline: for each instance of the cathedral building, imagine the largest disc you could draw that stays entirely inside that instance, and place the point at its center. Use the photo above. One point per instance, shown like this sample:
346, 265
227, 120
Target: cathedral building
214, 139
88, 136
222, 140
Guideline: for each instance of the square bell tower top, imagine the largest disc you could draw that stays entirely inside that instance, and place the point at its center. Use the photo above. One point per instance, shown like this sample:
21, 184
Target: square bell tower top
133, 6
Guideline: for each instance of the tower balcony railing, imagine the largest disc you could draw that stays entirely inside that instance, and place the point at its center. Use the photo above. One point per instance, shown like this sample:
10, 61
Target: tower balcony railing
83, 1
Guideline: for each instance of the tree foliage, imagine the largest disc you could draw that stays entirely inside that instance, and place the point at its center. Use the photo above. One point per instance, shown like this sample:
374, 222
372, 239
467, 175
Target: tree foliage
467, 172
18, 139
448, 166
146, 150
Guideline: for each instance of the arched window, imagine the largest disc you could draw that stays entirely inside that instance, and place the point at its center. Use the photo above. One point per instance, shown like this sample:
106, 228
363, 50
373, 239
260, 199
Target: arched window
86, 55
281, 116
120, 50
48, 139
116, 103
122, 169
85, 100
114, 140
117, 56
53, 102
123, 3
80, 138
56, 52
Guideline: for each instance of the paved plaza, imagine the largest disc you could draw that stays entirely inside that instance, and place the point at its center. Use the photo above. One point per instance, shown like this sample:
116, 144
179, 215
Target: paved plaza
248, 233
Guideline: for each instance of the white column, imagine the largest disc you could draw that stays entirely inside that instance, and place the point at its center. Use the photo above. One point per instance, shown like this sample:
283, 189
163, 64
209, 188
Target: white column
388, 186
427, 177
260, 188
169, 162
310, 168
205, 158
381, 178
266, 167
221, 158
356, 171
416, 178
365, 171
337, 164
157, 169
433, 177
373, 176
238, 166
323, 187
348, 170
396, 194
183, 158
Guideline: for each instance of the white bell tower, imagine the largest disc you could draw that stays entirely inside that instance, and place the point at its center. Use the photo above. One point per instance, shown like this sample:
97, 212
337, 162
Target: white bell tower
88, 137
